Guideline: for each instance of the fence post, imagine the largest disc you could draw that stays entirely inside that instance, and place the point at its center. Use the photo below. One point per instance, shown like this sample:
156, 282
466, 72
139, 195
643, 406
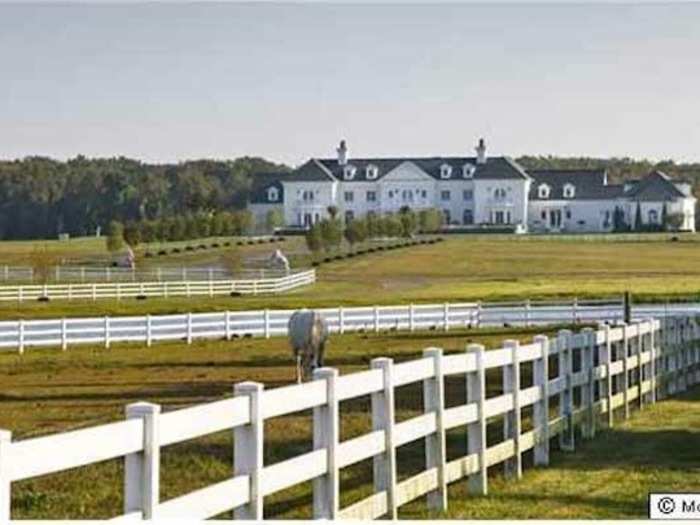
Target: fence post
341, 319
20, 336
248, 441
106, 331
605, 359
588, 389
64, 335
446, 316
142, 469
227, 324
435, 445
574, 310
567, 440
652, 360
638, 348
376, 319
527, 312
266, 323
148, 330
411, 317
624, 353
540, 410
189, 328
5, 484
384, 464
327, 435
478, 314
512, 425
476, 432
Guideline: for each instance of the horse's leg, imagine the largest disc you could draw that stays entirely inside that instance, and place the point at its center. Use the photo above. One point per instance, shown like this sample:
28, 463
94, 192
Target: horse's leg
319, 359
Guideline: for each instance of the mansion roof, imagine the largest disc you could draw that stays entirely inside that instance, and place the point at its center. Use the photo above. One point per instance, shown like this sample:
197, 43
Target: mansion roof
330, 169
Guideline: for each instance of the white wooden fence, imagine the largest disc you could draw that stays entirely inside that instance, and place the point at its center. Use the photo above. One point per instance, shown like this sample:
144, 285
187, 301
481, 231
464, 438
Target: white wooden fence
188, 327
597, 371
125, 290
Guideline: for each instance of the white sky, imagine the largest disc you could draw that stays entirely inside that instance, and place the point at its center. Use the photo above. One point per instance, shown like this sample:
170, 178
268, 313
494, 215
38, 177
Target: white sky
166, 82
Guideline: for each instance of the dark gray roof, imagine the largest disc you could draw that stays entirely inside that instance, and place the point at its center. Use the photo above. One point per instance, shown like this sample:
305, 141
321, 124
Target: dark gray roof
261, 182
657, 186
494, 168
588, 184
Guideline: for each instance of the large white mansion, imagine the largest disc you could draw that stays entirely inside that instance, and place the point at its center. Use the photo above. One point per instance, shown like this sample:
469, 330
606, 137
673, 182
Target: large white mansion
472, 192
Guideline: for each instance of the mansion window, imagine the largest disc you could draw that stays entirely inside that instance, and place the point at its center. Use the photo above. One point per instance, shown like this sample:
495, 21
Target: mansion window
468, 170
543, 191
349, 196
445, 195
568, 214
445, 171
653, 217
423, 194
372, 172
569, 191
349, 172
468, 217
407, 195
371, 196
467, 195
499, 194
308, 196
349, 216
446, 216
272, 194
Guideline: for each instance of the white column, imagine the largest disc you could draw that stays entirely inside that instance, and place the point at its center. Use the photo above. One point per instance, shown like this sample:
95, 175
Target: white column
148, 330
266, 323
435, 445
341, 320
476, 432
189, 328
384, 466
376, 319
326, 436
142, 469
248, 441
227, 325
446, 316
541, 409
512, 425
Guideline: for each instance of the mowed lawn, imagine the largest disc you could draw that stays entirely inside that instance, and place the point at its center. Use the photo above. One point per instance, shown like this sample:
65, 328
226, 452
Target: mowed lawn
46, 391
462, 268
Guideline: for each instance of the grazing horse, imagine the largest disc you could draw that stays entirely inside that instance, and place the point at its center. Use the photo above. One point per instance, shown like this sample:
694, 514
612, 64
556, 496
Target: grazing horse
308, 333
277, 261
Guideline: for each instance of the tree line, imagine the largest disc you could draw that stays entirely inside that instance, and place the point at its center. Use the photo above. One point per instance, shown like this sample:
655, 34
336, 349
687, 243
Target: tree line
328, 234
41, 197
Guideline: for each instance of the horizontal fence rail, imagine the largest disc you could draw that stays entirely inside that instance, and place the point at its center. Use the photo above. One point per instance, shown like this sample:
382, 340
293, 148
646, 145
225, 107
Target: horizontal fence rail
96, 291
587, 375
21, 334
268, 323
89, 274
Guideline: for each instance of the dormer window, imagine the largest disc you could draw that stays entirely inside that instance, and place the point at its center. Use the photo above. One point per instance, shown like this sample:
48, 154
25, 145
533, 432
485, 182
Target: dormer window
273, 194
445, 171
349, 172
372, 172
569, 191
543, 191
499, 194
468, 170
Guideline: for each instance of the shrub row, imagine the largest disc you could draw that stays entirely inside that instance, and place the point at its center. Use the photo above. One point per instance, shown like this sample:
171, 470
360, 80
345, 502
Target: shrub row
212, 246
375, 249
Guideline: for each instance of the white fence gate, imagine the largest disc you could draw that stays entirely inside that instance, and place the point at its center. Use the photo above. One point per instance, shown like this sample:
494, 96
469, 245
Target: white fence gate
598, 371
124, 290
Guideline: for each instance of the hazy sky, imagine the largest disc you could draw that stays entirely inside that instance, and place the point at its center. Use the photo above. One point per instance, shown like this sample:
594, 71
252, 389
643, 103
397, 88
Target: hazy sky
166, 82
